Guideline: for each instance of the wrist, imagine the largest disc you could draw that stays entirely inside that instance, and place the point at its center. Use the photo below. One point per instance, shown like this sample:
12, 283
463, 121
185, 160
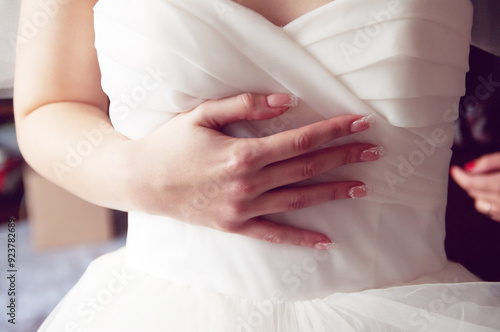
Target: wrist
133, 176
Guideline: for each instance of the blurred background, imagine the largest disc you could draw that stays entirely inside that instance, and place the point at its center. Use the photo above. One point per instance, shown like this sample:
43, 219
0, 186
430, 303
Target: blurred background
473, 239
58, 234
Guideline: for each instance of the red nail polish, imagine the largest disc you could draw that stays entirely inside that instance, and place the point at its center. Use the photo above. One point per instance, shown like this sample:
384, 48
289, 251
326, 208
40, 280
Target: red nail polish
469, 167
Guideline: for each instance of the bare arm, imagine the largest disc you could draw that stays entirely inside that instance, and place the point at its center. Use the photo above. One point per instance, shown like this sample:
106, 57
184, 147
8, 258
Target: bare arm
58, 99
65, 134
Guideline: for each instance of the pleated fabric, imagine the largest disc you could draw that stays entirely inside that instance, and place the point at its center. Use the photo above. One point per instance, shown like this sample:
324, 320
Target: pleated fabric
404, 61
113, 297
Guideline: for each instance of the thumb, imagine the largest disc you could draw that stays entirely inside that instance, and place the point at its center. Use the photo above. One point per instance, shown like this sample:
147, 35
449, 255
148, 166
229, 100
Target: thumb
485, 164
218, 113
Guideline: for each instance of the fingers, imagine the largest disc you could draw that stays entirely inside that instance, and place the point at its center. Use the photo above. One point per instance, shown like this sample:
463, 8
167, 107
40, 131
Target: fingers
298, 141
218, 113
484, 189
476, 184
461, 177
485, 164
267, 150
317, 162
249, 183
488, 208
283, 200
262, 229
290, 199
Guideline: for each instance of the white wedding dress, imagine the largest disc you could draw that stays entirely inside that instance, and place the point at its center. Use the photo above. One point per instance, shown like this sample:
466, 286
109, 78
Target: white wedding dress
404, 61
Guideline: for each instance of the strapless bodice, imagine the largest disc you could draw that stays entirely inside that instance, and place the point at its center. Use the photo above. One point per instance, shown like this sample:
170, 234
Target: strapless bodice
402, 60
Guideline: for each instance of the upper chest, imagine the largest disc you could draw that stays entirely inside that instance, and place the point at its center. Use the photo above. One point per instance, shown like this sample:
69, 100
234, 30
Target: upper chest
281, 12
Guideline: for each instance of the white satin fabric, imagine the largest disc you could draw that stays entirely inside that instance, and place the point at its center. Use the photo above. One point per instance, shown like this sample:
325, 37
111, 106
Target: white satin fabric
403, 61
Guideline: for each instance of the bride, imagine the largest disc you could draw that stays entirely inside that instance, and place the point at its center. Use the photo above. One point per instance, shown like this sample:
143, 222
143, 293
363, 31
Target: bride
284, 163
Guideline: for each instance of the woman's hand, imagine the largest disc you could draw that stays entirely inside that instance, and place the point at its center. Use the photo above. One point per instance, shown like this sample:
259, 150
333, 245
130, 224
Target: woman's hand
189, 170
481, 180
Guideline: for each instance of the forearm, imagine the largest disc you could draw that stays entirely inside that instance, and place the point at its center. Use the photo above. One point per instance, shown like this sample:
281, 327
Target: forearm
61, 110
74, 145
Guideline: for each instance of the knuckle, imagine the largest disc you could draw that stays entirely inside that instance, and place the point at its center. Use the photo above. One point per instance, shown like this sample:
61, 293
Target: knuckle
298, 201
348, 156
310, 169
337, 130
236, 211
241, 161
303, 142
248, 100
335, 194
273, 238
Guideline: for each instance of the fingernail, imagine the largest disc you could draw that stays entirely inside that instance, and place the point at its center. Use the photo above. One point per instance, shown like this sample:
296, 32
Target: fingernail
469, 167
325, 245
282, 100
359, 191
294, 101
363, 123
372, 154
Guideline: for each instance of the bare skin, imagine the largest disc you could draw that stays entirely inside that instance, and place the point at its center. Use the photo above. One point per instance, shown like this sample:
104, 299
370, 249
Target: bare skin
58, 98
481, 180
282, 12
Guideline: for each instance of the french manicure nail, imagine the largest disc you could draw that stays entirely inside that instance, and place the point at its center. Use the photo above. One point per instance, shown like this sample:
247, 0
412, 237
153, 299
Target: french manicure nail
360, 191
325, 245
363, 123
282, 100
372, 154
294, 101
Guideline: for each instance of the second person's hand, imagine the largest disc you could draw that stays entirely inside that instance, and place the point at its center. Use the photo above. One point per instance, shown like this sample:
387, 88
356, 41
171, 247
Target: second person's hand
481, 179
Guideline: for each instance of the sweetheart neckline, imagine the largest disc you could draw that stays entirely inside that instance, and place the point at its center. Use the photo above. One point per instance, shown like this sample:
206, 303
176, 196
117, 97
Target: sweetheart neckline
290, 23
